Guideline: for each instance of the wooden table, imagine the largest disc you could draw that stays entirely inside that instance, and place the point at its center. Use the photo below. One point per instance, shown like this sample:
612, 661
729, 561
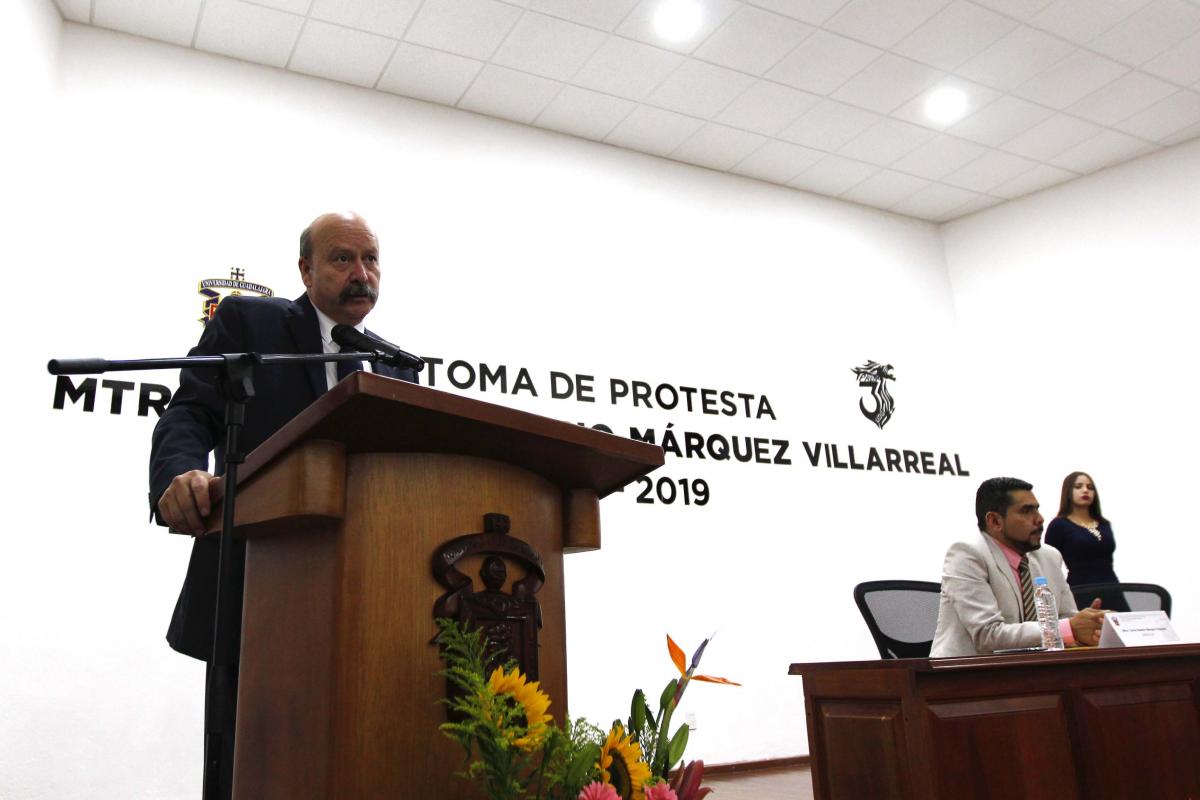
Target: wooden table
1086, 724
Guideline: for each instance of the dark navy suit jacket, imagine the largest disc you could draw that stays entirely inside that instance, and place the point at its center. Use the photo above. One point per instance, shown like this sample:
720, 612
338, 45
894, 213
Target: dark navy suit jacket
193, 426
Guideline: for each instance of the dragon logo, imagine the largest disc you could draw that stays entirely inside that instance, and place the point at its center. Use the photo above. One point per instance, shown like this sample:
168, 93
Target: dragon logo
876, 376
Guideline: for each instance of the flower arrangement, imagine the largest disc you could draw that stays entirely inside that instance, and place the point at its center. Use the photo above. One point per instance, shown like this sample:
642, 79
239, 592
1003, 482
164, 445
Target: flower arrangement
515, 750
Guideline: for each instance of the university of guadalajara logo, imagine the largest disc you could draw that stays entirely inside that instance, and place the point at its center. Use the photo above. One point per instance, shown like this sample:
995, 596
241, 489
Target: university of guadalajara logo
876, 376
236, 283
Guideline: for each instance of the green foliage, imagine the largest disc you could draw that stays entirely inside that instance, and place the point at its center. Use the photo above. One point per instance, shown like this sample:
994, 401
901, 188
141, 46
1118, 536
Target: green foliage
650, 730
642, 725
677, 745
487, 725
569, 760
482, 723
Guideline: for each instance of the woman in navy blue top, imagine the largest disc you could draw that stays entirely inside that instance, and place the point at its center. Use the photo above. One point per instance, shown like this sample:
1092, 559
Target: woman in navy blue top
1085, 538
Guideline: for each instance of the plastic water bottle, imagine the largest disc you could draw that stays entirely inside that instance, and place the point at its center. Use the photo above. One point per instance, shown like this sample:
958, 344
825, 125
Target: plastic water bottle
1047, 615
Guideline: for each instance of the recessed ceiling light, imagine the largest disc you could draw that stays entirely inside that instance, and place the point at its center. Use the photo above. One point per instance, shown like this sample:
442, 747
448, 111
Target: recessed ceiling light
946, 105
676, 20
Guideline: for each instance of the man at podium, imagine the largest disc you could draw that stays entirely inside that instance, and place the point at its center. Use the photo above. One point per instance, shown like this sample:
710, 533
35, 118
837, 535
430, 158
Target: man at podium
987, 580
339, 266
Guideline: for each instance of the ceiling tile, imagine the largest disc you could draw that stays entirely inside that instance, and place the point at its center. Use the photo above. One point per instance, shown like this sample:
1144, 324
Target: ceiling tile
341, 54
248, 32
1021, 9
652, 130
472, 28
582, 112
639, 24
626, 69
1185, 135
171, 21
933, 201
989, 171
717, 147
295, 6
1164, 118
957, 33
1014, 59
980, 202
383, 17
753, 40
885, 189
1080, 21
1071, 79
1180, 64
606, 16
1152, 29
888, 83
885, 142
882, 23
777, 162
1124, 97
828, 125
548, 46
699, 89
1101, 151
939, 157
814, 12
508, 94
1047, 139
1040, 177
1002, 120
823, 62
767, 108
833, 175
428, 74
75, 10
977, 97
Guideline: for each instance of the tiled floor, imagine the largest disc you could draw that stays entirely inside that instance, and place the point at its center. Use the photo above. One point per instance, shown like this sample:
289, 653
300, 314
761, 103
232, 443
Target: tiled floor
791, 783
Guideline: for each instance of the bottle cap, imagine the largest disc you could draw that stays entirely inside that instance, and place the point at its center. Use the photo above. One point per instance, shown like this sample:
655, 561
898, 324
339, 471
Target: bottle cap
1039, 581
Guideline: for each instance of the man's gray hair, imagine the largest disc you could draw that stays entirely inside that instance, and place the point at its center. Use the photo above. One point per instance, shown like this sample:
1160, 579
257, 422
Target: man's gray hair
306, 243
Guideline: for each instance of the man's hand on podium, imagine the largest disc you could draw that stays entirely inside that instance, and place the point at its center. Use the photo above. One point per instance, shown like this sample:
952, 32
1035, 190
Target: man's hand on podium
1087, 623
187, 501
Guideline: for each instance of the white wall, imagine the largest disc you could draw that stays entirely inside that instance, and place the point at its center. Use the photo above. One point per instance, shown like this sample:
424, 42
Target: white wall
503, 245
1081, 302
29, 41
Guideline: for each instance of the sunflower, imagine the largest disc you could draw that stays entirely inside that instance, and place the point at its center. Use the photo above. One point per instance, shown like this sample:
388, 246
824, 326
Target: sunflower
511, 688
621, 764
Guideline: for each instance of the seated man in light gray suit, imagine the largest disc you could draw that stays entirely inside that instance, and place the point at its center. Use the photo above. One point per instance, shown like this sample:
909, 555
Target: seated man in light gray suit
982, 607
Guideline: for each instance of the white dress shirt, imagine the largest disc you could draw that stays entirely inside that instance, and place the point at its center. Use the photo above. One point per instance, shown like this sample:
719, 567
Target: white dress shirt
333, 347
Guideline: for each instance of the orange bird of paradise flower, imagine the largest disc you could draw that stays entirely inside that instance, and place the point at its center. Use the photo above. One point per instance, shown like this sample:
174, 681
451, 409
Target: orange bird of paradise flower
687, 671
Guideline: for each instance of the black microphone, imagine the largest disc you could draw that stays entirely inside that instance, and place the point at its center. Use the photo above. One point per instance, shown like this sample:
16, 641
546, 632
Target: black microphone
389, 354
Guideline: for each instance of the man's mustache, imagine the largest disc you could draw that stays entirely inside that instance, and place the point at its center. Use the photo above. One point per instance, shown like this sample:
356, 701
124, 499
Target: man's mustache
358, 289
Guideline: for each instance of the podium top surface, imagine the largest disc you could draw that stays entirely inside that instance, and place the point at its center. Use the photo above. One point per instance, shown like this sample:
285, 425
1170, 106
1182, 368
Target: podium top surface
372, 413
1069, 657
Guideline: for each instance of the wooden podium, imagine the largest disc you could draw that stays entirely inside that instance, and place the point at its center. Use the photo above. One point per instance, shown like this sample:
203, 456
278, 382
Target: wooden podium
1076, 725
343, 510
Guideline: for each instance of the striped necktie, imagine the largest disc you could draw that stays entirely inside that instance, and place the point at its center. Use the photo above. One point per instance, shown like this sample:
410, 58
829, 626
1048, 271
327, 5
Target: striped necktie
1027, 607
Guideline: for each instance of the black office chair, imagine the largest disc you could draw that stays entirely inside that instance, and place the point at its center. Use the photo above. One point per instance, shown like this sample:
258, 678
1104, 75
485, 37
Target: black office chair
1138, 596
901, 615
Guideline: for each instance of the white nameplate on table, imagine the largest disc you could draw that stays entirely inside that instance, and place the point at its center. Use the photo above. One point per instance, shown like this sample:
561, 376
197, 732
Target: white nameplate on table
1137, 629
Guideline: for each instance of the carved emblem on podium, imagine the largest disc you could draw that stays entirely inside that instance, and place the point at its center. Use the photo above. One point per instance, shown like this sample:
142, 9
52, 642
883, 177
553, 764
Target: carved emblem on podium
509, 620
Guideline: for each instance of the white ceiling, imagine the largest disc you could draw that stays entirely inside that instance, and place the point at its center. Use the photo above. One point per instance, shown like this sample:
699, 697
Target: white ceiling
820, 95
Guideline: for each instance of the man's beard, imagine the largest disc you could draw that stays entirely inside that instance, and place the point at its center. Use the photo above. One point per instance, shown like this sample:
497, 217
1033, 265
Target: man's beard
1024, 545
358, 289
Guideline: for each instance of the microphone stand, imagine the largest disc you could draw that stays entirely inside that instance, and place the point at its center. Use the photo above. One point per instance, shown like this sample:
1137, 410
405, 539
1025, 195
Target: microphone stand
235, 381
